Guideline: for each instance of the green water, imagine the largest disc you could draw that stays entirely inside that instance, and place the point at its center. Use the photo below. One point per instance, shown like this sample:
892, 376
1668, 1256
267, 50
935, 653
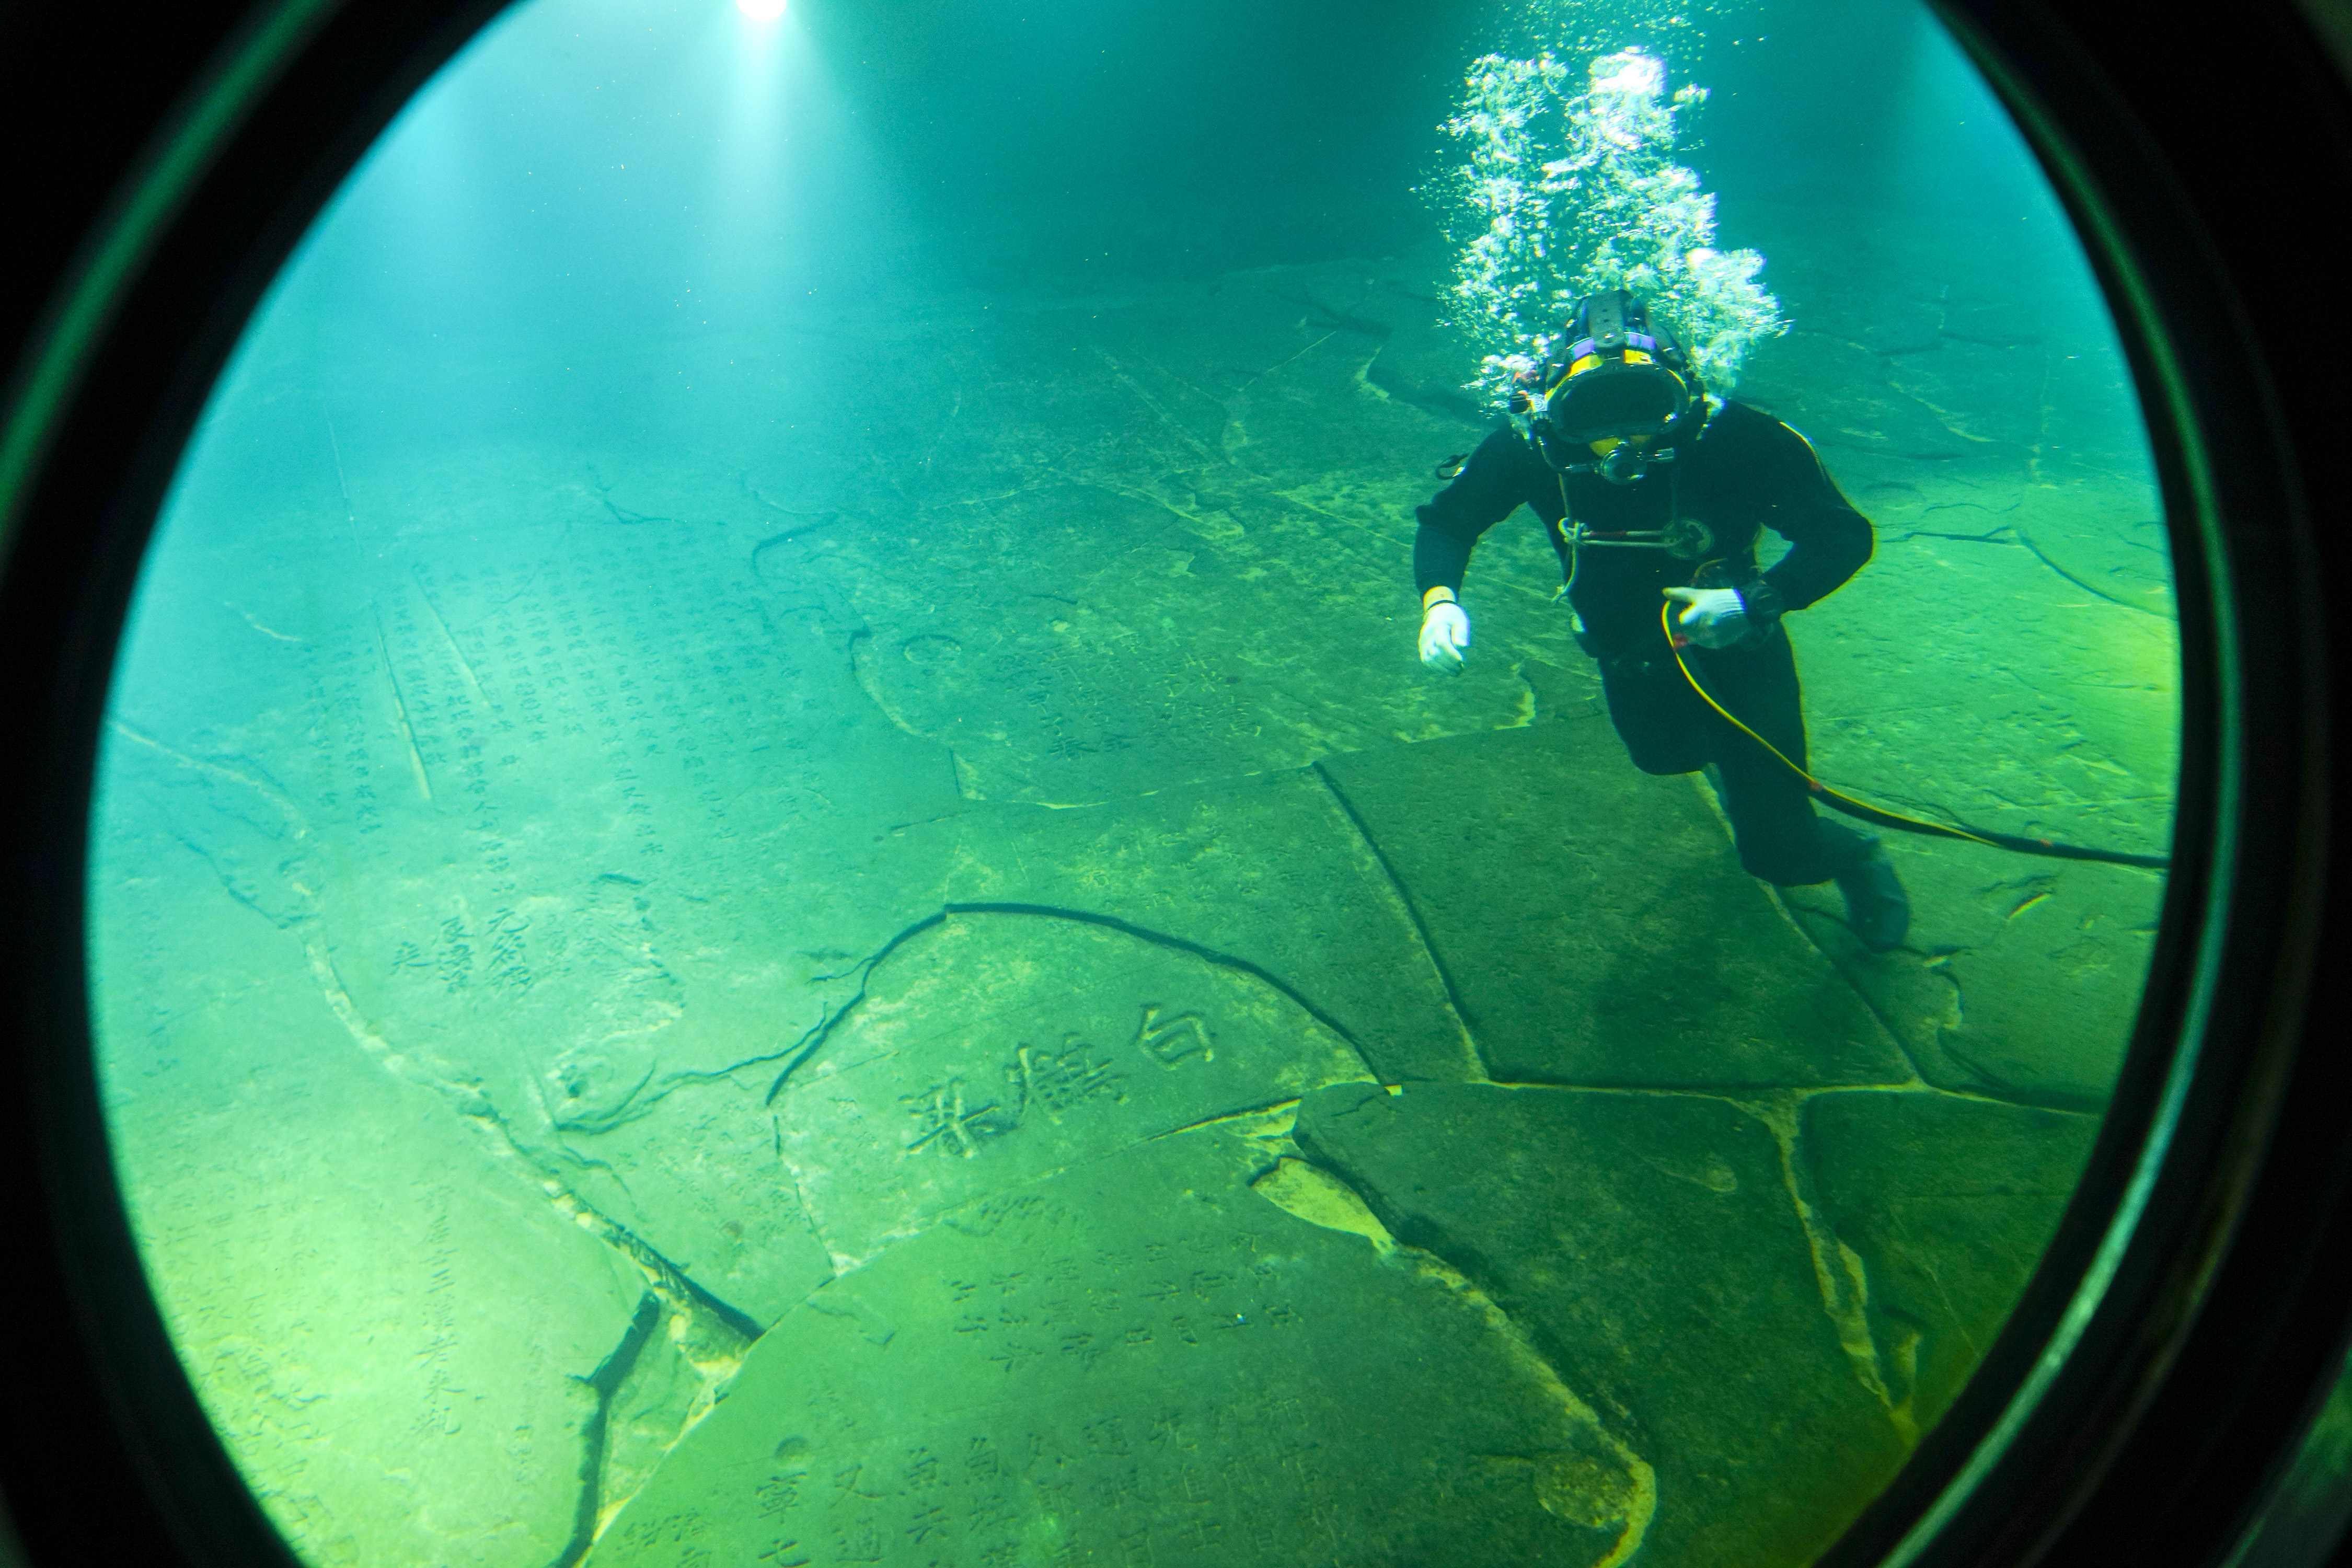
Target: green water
775, 882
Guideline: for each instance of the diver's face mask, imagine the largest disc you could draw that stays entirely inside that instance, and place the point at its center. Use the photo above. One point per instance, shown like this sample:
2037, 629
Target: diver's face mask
1614, 409
1622, 459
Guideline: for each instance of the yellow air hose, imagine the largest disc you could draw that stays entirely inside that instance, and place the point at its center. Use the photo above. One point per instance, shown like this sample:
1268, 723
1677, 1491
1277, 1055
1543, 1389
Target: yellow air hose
1871, 813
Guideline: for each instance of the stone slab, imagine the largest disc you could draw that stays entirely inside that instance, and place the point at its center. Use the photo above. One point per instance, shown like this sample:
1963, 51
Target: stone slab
625, 1029
2009, 658
650, 735
1650, 1246
1948, 1202
1105, 635
386, 1319
1154, 471
2035, 708
1594, 923
631, 1026
1267, 872
1268, 869
990, 1051
1140, 1361
2023, 977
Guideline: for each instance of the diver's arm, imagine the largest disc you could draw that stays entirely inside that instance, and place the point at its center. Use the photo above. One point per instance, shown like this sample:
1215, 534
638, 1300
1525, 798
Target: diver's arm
1440, 561
1439, 558
1489, 489
1829, 541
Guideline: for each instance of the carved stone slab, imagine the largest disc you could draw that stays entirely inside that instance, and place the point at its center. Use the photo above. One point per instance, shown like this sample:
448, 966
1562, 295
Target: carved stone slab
992, 1050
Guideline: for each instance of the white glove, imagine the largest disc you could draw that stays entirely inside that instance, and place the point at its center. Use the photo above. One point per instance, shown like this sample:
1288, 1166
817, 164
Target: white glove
1444, 632
1715, 616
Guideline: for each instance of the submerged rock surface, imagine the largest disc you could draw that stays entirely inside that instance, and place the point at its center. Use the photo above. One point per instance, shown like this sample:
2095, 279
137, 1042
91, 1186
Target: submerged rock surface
763, 973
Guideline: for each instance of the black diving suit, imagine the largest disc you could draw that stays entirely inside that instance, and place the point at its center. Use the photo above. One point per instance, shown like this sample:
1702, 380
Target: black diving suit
1745, 472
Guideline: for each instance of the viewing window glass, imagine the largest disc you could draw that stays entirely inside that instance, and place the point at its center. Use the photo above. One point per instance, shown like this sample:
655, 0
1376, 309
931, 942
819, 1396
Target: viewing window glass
899, 785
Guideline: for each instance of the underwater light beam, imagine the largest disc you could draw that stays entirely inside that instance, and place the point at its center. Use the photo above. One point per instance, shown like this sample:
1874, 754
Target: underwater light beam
761, 10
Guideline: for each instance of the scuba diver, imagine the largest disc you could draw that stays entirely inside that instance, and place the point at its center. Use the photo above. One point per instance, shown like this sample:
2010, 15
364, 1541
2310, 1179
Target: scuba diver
1654, 496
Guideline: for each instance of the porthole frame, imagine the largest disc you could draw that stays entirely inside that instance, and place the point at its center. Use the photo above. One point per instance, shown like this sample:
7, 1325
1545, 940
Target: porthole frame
2199, 1336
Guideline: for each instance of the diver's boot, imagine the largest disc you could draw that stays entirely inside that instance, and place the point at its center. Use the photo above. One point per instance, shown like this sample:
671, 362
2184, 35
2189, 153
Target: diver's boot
1876, 908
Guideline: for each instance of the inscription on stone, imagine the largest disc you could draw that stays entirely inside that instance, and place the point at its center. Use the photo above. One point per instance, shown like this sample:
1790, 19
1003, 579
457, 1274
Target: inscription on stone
1168, 1040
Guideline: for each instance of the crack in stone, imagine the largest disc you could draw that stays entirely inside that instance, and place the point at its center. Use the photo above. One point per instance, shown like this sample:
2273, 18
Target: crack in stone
1730, 1095
641, 1103
270, 793
1530, 700
400, 704
820, 1031
448, 637
594, 1437
1638, 1510
862, 677
1131, 492
1869, 1003
623, 515
1302, 353
711, 1335
1838, 1270
1445, 402
827, 519
841, 1262
1454, 1002
1296, 496
1310, 1190
1993, 538
1135, 389
1233, 961
2039, 555
1254, 1113
1339, 320
228, 882
2000, 1091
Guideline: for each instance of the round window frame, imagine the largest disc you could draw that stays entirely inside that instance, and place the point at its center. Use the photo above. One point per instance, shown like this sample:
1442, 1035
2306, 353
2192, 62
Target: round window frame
2184, 1357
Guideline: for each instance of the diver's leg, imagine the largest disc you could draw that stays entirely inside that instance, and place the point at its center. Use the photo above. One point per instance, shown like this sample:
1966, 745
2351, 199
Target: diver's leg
1779, 836
1659, 718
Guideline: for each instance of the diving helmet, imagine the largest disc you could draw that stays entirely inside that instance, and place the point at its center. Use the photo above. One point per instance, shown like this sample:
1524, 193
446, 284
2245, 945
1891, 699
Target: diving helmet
1619, 399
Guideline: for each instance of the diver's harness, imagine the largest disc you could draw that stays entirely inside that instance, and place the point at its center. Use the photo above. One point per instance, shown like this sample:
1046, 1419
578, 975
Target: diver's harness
1684, 537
